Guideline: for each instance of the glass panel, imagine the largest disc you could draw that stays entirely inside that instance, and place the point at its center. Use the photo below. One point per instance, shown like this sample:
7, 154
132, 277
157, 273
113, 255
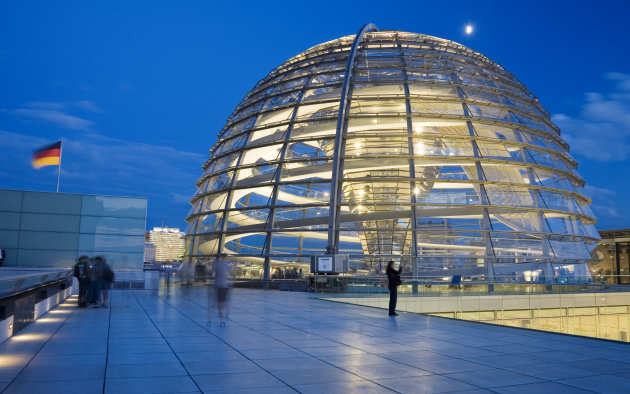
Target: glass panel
310, 149
511, 196
220, 181
467, 244
431, 90
442, 147
312, 193
380, 106
246, 244
432, 107
114, 206
505, 220
279, 100
210, 223
280, 115
372, 89
106, 225
299, 243
377, 124
451, 222
11, 200
505, 173
261, 155
112, 243
44, 222
251, 217
422, 125
9, 220
58, 203
384, 145
322, 93
322, 128
243, 198
222, 163
253, 176
320, 110
265, 136
484, 111
307, 218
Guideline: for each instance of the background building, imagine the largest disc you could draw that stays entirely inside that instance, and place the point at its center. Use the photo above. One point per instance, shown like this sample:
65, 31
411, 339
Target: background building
611, 259
169, 243
394, 145
149, 252
41, 229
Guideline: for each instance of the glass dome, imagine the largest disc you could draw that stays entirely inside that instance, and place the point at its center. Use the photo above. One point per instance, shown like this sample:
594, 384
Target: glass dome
393, 145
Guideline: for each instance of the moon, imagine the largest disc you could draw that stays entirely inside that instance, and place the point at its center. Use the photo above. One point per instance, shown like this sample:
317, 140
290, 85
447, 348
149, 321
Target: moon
469, 29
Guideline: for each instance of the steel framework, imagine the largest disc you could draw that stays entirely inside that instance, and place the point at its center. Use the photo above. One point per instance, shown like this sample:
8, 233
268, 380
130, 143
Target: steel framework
393, 145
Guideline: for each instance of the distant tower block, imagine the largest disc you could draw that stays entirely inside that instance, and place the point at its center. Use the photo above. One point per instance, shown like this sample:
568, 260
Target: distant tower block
169, 243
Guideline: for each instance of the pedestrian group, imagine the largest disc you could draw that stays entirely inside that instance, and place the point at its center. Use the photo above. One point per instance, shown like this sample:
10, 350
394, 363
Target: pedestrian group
95, 278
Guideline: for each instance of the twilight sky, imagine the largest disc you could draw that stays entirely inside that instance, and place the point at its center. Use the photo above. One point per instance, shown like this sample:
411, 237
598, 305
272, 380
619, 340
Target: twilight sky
139, 90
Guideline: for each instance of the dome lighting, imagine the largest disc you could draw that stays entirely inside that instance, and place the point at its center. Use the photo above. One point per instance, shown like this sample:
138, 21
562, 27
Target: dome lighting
464, 169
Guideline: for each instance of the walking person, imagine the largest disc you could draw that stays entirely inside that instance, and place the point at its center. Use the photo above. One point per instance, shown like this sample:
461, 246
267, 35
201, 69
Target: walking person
106, 283
82, 273
393, 281
222, 285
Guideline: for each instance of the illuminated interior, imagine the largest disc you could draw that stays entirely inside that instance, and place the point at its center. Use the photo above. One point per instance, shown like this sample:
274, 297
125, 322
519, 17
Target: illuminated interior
447, 164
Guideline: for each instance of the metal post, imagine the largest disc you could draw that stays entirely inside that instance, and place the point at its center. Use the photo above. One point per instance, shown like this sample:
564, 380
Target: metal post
59, 166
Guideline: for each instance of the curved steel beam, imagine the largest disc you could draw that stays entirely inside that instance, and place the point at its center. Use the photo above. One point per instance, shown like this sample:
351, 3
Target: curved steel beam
342, 125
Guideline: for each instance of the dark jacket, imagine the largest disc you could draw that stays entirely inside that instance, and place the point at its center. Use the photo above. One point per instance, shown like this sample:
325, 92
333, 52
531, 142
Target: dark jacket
393, 277
82, 270
108, 274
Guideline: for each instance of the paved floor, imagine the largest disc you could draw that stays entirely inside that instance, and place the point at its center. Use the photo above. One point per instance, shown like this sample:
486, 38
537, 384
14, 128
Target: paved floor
281, 342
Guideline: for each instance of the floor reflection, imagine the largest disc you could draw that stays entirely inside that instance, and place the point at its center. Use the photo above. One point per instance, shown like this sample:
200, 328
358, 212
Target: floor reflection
611, 322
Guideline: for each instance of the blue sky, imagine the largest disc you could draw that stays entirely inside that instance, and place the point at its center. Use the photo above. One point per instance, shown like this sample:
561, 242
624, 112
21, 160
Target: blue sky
139, 90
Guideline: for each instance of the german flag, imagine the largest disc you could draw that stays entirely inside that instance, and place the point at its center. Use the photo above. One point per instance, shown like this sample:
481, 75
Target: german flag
47, 156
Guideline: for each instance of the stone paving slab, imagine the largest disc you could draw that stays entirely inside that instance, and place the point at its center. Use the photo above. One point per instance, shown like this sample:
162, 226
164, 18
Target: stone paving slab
284, 342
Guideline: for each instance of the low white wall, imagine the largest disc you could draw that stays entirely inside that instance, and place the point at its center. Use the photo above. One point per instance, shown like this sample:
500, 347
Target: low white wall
491, 302
6, 328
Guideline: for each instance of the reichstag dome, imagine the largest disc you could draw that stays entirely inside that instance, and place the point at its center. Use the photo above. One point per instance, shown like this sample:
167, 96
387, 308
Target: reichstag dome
393, 145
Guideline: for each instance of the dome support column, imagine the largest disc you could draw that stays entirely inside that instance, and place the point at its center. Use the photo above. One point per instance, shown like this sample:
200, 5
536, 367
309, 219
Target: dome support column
342, 128
413, 250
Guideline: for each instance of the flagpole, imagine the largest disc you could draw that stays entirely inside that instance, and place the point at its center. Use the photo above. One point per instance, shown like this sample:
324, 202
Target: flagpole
59, 166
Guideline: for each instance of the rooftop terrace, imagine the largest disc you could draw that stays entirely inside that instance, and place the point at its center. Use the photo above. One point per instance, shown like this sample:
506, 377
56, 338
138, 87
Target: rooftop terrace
280, 342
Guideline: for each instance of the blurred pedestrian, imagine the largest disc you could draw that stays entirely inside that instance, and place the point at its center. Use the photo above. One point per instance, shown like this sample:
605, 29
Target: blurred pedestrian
106, 283
82, 273
222, 284
393, 281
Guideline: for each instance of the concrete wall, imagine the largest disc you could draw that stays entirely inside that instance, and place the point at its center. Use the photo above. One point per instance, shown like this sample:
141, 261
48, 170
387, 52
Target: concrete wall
41, 229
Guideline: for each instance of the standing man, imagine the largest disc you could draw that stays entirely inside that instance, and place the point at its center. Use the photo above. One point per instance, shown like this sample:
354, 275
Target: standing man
82, 273
222, 284
393, 281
